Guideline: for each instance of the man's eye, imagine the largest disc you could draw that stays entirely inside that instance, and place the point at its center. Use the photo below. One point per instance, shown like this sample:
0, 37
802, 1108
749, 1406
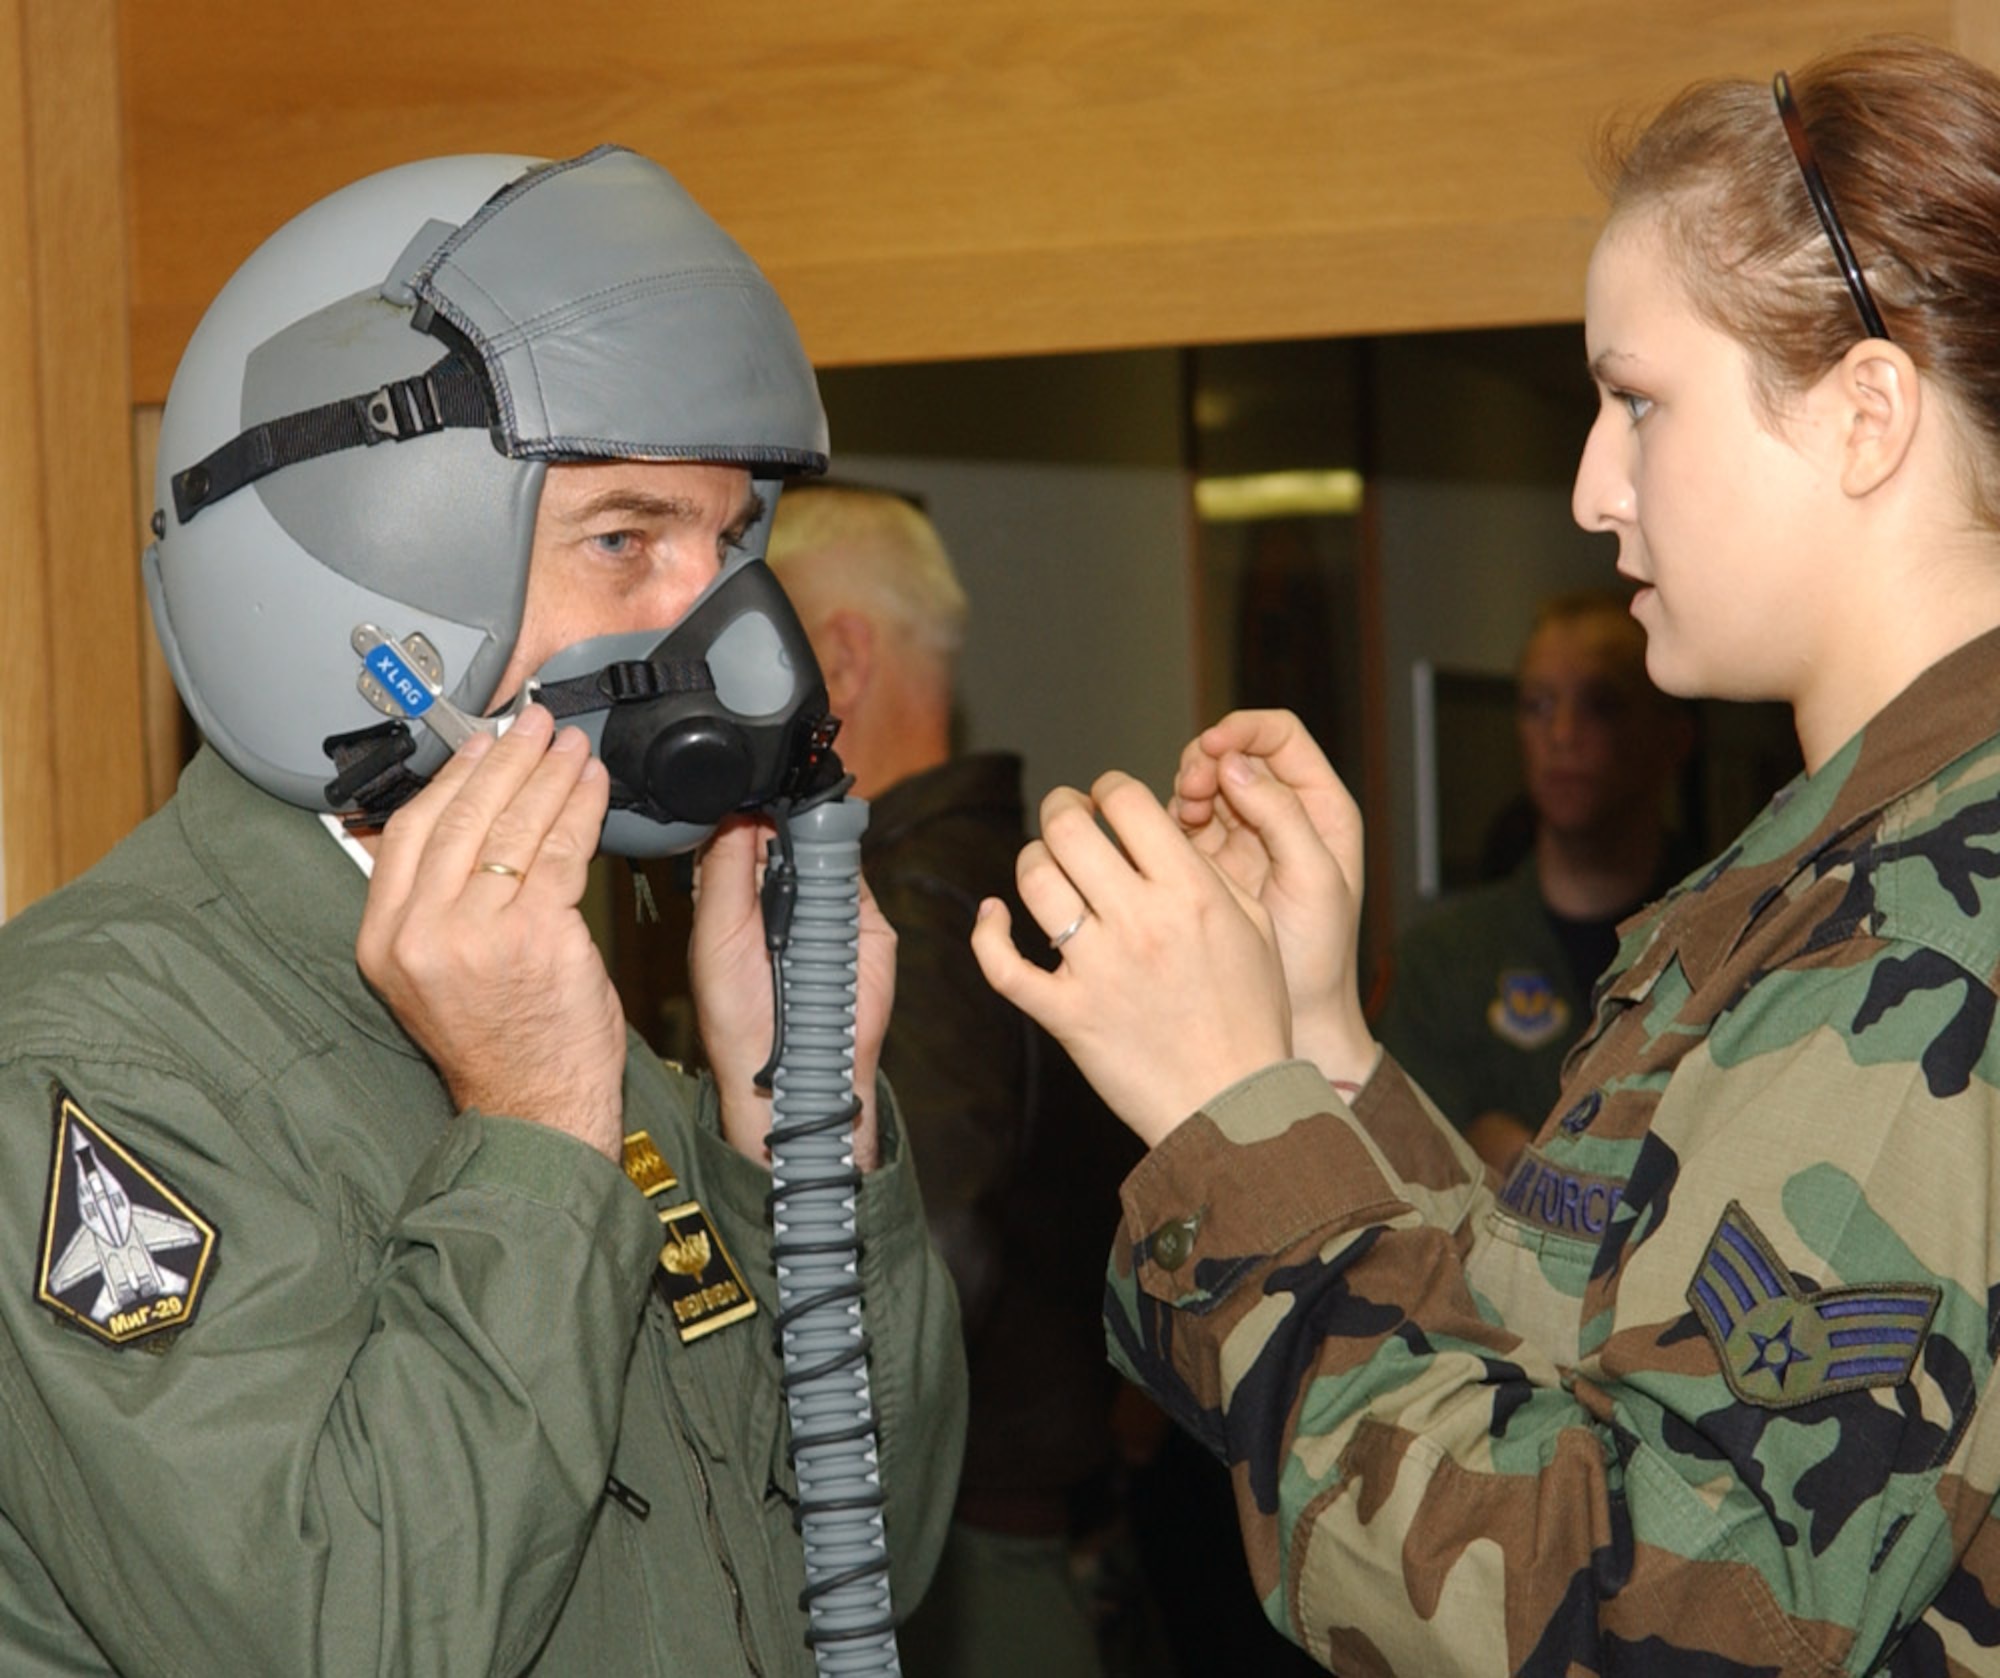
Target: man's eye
616, 543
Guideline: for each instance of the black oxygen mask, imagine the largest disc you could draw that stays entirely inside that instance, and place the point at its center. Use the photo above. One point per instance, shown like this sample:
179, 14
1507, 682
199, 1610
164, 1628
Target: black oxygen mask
726, 711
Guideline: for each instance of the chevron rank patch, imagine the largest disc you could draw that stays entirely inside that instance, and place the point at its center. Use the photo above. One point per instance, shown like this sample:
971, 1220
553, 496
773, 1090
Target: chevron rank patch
1526, 1010
123, 1255
1781, 1346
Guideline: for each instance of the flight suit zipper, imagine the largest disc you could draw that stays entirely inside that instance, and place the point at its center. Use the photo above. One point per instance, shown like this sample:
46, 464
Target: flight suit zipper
720, 1547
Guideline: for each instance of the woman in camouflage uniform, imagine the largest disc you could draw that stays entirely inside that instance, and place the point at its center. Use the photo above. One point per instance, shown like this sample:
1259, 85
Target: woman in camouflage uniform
1700, 1387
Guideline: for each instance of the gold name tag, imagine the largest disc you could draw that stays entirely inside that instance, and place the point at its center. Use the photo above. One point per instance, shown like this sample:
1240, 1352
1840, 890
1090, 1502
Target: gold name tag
697, 1278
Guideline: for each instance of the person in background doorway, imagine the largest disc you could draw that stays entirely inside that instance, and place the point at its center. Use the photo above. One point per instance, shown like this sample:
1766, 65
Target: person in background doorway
1488, 992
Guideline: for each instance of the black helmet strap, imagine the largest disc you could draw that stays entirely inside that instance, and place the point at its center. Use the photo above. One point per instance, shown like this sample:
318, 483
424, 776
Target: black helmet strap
450, 394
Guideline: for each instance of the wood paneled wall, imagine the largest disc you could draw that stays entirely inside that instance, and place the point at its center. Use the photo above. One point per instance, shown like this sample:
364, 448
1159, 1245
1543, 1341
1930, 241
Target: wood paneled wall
993, 177
921, 181
72, 778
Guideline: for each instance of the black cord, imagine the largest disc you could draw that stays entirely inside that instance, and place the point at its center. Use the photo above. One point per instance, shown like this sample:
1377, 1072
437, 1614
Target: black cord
778, 898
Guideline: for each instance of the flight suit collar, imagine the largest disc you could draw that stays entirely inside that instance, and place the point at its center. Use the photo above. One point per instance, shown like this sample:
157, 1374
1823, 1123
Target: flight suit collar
291, 881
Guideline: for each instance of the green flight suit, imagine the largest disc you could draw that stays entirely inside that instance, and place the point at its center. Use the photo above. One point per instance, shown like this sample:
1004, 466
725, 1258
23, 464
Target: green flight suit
420, 1344
1701, 1390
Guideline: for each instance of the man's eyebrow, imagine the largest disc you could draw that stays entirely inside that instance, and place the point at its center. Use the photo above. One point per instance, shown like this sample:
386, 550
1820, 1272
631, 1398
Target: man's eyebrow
637, 503
671, 509
749, 513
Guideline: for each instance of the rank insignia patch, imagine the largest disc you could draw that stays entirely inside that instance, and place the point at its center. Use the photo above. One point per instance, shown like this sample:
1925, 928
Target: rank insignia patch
123, 1255
1527, 1012
1780, 1345
697, 1278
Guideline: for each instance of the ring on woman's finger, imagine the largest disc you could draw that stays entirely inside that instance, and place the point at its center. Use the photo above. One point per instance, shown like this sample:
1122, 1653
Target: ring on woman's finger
1069, 932
506, 868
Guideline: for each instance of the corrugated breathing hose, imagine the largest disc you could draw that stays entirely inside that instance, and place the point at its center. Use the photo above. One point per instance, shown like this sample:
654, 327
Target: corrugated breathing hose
812, 926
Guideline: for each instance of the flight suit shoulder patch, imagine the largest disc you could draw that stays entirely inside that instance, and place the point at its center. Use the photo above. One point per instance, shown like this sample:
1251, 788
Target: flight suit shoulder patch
124, 1256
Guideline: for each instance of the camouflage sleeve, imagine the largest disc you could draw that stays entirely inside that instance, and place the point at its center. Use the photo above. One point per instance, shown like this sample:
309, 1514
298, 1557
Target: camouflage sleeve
1783, 1484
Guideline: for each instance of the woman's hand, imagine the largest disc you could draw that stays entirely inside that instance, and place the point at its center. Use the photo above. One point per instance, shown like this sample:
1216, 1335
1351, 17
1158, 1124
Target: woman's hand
1256, 795
1169, 988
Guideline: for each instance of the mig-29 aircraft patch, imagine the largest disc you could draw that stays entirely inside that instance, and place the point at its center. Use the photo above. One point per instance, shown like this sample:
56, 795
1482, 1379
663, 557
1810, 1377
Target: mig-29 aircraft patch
123, 1255
1780, 1345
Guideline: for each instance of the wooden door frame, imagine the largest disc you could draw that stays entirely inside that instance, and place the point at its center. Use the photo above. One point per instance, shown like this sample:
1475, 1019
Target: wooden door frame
72, 771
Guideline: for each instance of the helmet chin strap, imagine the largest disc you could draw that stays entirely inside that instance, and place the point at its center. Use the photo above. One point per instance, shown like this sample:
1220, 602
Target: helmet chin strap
371, 781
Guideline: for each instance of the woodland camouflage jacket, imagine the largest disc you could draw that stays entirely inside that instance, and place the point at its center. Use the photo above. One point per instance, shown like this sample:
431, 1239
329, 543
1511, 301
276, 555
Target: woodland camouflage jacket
1701, 1389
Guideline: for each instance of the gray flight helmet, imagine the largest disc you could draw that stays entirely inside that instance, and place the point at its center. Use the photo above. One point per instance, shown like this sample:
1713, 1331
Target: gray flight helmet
359, 429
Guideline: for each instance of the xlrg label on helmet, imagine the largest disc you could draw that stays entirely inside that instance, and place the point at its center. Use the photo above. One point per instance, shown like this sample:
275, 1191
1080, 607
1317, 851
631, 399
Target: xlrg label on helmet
398, 681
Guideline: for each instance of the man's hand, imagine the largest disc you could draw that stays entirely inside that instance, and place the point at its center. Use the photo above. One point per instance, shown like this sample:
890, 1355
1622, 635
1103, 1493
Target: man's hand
1169, 988
472, 935
731, 972
1257, 797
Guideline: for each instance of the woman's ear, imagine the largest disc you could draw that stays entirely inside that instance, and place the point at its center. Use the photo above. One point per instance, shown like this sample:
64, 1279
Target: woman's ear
1879, 391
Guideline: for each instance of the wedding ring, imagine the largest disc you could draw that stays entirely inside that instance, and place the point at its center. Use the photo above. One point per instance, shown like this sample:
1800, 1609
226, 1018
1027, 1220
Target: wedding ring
506, 868
1069, 932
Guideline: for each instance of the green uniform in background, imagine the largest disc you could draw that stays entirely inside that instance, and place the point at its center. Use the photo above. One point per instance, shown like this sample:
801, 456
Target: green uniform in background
365, 1420
1700, 1389
1483, 1005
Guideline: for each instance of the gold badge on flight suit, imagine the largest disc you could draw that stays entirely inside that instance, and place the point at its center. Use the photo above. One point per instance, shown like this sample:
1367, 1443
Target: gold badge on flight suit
697, 1278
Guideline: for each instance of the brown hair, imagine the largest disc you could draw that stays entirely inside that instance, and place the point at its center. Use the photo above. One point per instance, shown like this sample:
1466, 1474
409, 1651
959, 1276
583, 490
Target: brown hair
1611, 608
1907, 135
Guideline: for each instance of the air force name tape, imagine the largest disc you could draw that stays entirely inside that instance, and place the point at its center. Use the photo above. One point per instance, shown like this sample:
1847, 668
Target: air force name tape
1547, 1196
1780, 1345
123, 1255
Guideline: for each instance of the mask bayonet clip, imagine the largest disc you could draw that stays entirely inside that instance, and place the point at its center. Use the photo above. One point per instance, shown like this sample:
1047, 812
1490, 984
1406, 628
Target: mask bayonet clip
405, 678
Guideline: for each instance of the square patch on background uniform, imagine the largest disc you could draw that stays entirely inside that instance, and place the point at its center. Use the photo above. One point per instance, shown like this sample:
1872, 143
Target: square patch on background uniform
123, 1255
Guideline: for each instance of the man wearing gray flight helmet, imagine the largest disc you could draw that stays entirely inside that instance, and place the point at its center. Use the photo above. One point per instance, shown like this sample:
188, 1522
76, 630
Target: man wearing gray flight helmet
340, 1341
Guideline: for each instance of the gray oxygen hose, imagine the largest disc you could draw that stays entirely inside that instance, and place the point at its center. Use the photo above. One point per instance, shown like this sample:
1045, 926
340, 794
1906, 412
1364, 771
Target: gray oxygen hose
814, 1182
